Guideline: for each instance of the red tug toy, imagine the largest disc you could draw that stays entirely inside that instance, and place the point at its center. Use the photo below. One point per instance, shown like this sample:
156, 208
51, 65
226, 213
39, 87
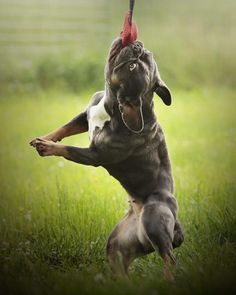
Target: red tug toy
129, 33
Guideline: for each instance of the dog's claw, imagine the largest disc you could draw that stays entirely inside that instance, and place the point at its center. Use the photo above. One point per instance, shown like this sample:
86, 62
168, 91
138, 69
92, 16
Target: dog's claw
32, 143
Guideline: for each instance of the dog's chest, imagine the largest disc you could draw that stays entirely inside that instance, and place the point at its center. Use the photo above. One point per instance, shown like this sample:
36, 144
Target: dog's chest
97, 117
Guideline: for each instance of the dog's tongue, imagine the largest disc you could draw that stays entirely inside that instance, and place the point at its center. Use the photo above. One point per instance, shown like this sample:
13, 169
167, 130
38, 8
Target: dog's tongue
129, 33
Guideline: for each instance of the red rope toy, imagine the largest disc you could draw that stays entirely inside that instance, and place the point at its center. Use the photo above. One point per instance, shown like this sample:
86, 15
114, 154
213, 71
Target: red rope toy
130, 32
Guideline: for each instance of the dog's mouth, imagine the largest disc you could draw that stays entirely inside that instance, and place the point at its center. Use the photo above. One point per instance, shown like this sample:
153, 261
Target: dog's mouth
132, 115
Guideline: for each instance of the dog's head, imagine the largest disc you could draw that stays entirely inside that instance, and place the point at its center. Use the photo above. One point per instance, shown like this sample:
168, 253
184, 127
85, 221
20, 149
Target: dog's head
132, 74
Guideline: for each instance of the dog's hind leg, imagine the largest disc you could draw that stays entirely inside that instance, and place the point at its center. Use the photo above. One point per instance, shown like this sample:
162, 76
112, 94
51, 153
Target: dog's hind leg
158, 224
178, 235
123, 245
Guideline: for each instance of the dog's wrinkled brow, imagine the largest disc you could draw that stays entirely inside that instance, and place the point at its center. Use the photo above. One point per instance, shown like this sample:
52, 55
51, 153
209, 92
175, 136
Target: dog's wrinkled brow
131, 52
114, 51
118, 55
121, 64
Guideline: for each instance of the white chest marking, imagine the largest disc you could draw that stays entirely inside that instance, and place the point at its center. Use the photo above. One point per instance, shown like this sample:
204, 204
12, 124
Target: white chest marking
97, 117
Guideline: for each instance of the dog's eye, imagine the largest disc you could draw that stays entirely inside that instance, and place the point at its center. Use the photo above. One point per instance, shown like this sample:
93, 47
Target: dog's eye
132, 66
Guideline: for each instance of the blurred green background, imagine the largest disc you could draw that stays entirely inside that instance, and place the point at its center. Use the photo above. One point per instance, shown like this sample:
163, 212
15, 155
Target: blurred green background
65, 43
55, 216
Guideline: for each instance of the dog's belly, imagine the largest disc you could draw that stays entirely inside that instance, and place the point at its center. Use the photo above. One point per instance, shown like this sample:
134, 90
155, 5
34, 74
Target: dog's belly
138, 177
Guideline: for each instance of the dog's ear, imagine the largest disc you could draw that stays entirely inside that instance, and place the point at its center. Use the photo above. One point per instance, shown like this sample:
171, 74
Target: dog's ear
132, 116
160, 87
163, 92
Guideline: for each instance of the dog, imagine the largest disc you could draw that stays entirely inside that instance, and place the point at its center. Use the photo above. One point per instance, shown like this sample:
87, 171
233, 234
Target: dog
128, 142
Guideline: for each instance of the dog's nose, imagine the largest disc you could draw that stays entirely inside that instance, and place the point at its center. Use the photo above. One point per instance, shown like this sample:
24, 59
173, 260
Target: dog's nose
136, 49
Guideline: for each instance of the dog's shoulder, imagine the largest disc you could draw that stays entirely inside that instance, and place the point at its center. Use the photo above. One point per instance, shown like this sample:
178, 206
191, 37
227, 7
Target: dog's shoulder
96, 112
97, 96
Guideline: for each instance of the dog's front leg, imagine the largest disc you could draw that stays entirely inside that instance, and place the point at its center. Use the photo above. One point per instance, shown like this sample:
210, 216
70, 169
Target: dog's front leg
77, 125
49, 148
85, 156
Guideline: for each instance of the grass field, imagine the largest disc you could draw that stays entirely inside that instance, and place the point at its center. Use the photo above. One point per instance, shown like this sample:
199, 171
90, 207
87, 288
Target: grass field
56, 215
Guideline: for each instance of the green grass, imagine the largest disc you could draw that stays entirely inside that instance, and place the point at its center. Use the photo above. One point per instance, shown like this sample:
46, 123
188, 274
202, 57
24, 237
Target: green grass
55, 216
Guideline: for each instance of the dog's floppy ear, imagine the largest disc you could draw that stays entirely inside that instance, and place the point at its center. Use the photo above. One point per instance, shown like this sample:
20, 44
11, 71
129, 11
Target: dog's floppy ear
160, 87
163, 92
132, 115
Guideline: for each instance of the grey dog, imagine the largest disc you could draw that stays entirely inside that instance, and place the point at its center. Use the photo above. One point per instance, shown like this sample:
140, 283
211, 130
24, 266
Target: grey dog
129, 143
